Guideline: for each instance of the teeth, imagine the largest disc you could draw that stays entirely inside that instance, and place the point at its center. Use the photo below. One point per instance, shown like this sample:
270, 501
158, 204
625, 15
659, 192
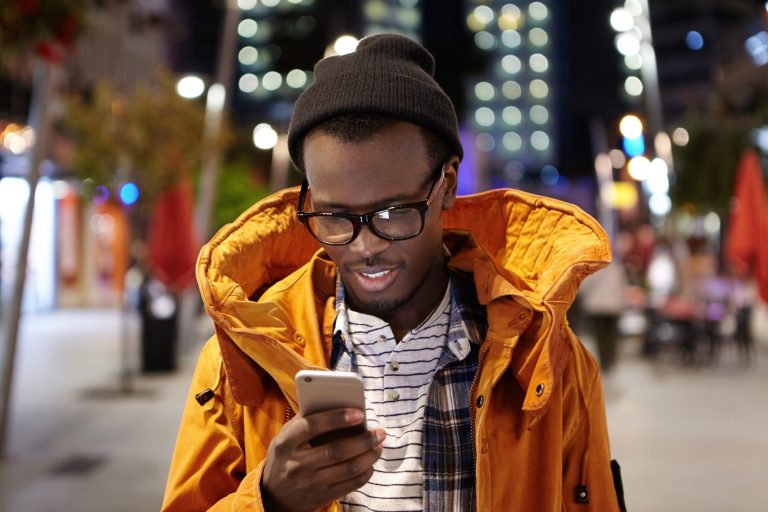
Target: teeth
376, 275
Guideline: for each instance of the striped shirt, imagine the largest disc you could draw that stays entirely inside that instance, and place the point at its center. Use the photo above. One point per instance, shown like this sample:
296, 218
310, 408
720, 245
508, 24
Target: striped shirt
446, 478
397, 377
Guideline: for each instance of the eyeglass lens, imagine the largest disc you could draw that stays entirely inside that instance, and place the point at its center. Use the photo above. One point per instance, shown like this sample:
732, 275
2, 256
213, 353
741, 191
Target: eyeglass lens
395, 223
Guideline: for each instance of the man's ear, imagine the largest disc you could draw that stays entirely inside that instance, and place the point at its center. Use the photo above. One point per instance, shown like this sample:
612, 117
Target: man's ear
451, 180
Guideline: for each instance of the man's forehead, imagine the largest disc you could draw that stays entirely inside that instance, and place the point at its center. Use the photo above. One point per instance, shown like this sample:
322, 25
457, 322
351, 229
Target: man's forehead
359, 192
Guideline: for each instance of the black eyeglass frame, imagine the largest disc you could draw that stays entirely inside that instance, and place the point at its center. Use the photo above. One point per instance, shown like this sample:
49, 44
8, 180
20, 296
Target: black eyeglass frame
367, 218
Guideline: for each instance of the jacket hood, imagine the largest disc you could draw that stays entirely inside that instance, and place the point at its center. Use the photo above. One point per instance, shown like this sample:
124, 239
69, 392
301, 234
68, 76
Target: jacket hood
523, 251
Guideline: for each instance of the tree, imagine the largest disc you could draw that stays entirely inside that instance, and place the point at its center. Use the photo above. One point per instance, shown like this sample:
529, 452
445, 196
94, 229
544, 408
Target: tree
150, 136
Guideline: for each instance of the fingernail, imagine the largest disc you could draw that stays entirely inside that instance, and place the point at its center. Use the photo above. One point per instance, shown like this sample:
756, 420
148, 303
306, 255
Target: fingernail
354, 416
381, 435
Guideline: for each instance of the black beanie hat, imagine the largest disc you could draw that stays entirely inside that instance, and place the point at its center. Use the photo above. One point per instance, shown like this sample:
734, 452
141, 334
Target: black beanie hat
387, 74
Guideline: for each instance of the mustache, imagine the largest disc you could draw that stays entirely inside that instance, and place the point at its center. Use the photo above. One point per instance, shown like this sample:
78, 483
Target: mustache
369, 263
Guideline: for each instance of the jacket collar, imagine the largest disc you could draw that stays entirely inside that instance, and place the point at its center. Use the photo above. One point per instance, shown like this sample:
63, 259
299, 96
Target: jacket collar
268, 287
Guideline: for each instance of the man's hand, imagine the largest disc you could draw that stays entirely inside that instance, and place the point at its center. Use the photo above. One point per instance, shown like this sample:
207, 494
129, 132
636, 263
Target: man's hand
299, 477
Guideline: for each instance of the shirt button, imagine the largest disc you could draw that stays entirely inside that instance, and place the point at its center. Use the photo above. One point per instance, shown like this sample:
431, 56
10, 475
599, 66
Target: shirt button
393, 395
394, 365
382, 339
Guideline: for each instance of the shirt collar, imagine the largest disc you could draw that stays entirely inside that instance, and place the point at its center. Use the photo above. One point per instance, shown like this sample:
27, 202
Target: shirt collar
468, 322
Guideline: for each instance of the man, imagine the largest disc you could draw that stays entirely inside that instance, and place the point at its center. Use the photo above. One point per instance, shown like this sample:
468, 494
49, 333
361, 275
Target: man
478, 395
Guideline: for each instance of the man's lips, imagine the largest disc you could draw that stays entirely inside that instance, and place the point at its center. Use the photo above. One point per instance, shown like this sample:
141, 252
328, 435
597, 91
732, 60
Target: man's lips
375, 275
376, 278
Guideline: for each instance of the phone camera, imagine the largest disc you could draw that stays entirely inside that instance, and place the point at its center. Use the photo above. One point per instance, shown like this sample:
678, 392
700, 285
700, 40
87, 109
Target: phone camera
307, 379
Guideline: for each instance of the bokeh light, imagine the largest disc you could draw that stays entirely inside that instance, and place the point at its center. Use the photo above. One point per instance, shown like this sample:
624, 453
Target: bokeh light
639, 168
248, 55
550, 175
630, 126
248, 82
621, 20
296, 78
680, 136
129, 193
264, 136
345, 44
247, 28
272, 81
484, 116
485, 142
484, 91
540, 140
633, 86
539, 114
190, 87
512, 115
511, 64
694, 40
512, 141
511, 38
511, 90
538, 11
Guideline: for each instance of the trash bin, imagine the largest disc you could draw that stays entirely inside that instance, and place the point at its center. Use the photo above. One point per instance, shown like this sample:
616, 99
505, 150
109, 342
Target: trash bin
159, 327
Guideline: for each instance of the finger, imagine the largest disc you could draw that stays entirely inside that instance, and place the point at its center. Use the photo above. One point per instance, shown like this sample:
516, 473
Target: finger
345, 449
350, 475
319, 423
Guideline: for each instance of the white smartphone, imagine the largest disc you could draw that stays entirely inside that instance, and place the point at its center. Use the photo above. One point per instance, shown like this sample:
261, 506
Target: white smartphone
319, 390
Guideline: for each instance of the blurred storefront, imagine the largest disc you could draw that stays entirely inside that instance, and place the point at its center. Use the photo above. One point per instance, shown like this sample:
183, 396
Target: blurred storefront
79, 249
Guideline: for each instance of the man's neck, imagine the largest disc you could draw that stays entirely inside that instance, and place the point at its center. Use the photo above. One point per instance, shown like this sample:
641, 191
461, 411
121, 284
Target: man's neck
418, 308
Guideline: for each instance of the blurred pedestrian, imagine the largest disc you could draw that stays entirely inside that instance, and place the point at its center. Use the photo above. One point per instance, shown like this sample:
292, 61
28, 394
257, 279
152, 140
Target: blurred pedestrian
602, 302
742, 299
478, 395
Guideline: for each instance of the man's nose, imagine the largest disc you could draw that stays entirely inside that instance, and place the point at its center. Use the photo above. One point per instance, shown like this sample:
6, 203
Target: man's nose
367, 243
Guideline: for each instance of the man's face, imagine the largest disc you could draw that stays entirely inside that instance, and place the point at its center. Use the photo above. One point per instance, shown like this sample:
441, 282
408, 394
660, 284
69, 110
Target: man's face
390, 279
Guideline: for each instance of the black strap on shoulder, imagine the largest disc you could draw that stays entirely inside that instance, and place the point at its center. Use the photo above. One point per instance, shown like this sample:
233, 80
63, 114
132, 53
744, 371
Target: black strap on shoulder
618, 485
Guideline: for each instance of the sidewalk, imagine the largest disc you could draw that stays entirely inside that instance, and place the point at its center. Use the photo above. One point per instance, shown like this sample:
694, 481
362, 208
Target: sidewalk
687, 439
76, 442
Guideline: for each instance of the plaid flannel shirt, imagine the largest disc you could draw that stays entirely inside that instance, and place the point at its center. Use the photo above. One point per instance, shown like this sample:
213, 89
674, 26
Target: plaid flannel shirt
448, 454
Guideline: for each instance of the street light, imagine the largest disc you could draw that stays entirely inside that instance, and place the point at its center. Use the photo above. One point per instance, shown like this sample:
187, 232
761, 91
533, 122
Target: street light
190, 87
264, 136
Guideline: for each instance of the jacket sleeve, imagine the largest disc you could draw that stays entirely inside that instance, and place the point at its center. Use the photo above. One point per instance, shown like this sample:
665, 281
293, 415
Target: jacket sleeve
208, 469
587, 459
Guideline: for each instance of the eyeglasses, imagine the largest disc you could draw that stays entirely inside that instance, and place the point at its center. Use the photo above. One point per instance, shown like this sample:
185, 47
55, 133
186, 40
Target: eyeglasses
399, 222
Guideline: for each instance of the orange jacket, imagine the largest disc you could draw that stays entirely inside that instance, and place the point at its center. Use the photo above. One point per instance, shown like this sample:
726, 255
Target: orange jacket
540, 430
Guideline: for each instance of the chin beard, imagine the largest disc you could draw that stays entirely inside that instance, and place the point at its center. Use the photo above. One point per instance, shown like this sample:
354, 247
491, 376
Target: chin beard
378, 307
382, 307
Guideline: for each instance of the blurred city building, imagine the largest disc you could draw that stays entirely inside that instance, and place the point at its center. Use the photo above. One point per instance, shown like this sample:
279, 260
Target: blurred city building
78, 253
698, 43
545, 103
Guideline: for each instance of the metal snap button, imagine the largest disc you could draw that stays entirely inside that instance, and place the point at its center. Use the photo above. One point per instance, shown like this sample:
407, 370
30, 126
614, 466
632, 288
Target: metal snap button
393, 395
394, 365
480, 401
540, 390
382, 339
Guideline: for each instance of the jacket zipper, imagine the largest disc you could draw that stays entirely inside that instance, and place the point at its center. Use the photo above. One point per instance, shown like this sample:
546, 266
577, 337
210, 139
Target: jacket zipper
472, 407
